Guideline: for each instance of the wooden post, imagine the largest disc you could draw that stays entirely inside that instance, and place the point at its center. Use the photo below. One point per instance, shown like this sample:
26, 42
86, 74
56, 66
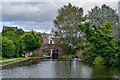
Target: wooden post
51, 53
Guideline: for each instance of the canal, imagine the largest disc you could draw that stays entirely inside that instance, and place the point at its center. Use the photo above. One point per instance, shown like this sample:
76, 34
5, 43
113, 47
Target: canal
49, 68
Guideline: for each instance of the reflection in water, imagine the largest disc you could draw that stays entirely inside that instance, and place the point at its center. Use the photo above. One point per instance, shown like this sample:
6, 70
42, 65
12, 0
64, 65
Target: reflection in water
59, 69
101, 71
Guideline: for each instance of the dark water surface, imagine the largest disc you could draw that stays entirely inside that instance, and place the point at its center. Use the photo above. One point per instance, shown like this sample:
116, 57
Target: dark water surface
37, 68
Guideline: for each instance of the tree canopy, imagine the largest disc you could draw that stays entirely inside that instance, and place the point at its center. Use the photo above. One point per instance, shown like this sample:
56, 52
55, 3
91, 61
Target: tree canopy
19, 32
101, 43
31, 41
66, 24
103, 14
8, 48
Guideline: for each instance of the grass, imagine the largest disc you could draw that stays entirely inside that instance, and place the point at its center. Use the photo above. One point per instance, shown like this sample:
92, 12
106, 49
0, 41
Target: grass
66, 56
20, 59
36, 56
45, 54
8, 62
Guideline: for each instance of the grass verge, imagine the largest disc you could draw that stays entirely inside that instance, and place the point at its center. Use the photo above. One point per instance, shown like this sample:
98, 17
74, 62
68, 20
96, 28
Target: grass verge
66, 56
8, 62
20, 59
37, 56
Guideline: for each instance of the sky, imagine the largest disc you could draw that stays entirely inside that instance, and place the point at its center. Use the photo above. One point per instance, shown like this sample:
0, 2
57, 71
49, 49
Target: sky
39, 15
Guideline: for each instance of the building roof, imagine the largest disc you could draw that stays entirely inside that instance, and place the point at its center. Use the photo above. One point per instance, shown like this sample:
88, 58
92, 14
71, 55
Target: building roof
45, 35
4, 27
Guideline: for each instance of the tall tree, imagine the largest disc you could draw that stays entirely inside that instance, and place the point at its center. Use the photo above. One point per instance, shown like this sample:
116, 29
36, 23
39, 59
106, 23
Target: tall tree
0, 45
66, 24
13, 36
103, 14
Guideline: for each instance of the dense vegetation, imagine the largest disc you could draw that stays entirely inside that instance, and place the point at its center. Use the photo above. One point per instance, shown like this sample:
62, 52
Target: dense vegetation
100, 34
31, 41
102, 47
101, 15
14, 40
66, 24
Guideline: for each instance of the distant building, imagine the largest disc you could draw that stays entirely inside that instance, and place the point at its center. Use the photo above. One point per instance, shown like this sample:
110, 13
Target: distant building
26, 32
6, 27
47, 38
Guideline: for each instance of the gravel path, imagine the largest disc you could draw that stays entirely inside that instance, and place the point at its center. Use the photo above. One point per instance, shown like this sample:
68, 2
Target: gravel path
8, 60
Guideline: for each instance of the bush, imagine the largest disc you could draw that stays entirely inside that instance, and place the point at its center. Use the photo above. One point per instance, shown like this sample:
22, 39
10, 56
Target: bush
13, 36
99, 60
101, 43
0, 45
8, 48
31, 41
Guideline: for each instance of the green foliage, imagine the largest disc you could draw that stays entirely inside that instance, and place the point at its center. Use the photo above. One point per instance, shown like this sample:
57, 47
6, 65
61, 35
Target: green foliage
11, 35
66, 24
31, 41
102, 43
39, 34
36, 56
0, 46
8, 48
45, 54
5, 32
19, 32
99, 60
66, 56
65, 47
103, 14
19, 59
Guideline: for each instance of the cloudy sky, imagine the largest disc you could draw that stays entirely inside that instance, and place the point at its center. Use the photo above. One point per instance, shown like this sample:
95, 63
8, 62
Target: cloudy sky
39, 15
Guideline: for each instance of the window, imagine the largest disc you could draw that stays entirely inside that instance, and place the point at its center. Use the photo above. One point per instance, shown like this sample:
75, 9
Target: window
50, 41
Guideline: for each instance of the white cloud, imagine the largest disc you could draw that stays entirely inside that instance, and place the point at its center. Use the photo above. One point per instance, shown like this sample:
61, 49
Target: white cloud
39, 16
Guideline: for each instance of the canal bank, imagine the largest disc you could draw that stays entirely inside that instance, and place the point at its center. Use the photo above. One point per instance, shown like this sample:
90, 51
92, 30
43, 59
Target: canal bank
11, 62
58, 68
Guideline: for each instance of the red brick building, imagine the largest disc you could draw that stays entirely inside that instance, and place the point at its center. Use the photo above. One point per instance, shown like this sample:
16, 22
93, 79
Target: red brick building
48, 44
8, 27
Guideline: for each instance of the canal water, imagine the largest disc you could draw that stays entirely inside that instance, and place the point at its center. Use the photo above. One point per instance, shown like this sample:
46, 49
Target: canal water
48, 68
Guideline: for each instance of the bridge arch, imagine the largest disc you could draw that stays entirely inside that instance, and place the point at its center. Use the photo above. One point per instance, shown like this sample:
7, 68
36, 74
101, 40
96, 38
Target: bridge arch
47, 47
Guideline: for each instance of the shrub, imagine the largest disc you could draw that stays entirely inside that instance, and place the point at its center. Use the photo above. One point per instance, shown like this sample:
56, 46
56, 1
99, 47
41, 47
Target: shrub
99, 60
101, 43
8, 48
31, 41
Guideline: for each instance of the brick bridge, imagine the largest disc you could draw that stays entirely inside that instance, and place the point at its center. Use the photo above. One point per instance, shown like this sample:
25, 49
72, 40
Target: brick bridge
40, 51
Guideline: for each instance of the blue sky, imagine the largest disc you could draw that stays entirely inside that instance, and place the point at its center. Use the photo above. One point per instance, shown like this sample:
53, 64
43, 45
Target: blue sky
39, 16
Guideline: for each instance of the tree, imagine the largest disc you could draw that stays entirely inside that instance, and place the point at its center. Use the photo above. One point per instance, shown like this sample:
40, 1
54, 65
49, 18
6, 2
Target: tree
6, 30
66, 24
19, 32
11, 35
100, 16
39, 34
8, 48
101, 43
0, 45
31, 41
